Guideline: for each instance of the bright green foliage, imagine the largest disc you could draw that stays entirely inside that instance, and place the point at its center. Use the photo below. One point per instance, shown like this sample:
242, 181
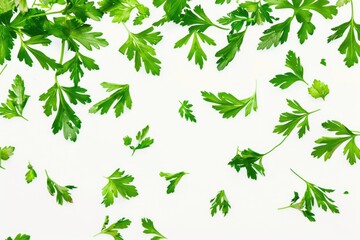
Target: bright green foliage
350, 46
121, 10
82, 9
302, 12
119, 183
319, 89
248, 13
174, 179
20, 237
323, 61
7, 34
312, 194
327, 145
16, 101
250, 160
185, 111
143, 141
149, 228
113, 229
31, 174
220, 203
287, 79
230, 106
65, 119
222, 1
138, 46
172, 8
62, 192
121, 96
299, 118
5, 154
346, 192
198, 23
74, 66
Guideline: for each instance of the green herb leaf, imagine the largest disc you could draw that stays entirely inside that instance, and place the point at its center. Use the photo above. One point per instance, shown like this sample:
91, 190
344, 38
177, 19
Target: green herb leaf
121, 10
323, 61
119, 183
174, 179
172, 8
31, 174
65, 119
5, 154
62, 192
312, 194
149, 228
121, 95
319, 89
113, 229
185, 111
287, 79
16, 101
250, 160
220, 203
142, 141
327, 145
20, 237
299, 118
138, 46
230, 106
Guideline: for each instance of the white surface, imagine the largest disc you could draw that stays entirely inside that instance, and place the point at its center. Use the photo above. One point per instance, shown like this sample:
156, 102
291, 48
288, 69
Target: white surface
202, 149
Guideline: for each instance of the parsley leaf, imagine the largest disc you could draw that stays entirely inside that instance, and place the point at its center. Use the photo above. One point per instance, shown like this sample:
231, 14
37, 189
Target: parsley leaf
222, 1
121, 95
82, 9
230, 106
5, 154
119, 183
323, 61
172, 8
138, 46
299, 118
113, 229
149, 228
62, 192
328, 145
31, 174
302, 12
7, 35
185, 111
142, 141
250, 160
287, 79
65, 119
121, 10
20, 237
174, 179
350, 45
220, 203
16, 101
319, 89
312, 194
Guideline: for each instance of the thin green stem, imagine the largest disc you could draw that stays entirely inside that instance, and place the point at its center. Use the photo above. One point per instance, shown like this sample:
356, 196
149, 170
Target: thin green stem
278, 145
3, 69
352, 11
282, 208
299, 176
314, 111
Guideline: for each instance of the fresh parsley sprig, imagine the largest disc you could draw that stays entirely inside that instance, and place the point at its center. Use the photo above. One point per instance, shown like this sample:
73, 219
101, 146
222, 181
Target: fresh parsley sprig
149, 228
328, 145
30, 174
62, 192
113, 229
220, 203
20, 237
313, 194
5, 154
173, 178
143, 141
186, 111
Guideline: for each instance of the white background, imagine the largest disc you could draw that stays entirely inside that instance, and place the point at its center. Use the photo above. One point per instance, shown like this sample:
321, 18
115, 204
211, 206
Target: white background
202, 149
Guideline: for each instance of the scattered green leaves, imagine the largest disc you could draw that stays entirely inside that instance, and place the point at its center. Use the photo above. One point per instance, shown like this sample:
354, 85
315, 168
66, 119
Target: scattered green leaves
31, 173
113, 229
16, 101
174, 179
5, 154
62, 192
121, 95
142, 141
149, 228
312, 194
327, 145
230, 106
220, 203
118, 183
185, 111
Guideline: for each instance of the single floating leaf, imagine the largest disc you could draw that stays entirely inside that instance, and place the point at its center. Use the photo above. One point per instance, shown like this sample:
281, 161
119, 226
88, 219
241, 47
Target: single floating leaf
31, 174
185, 111
62, 192
319, 89
142, 140
149, 228
220, 203
173, 178
113, 229
5, 154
